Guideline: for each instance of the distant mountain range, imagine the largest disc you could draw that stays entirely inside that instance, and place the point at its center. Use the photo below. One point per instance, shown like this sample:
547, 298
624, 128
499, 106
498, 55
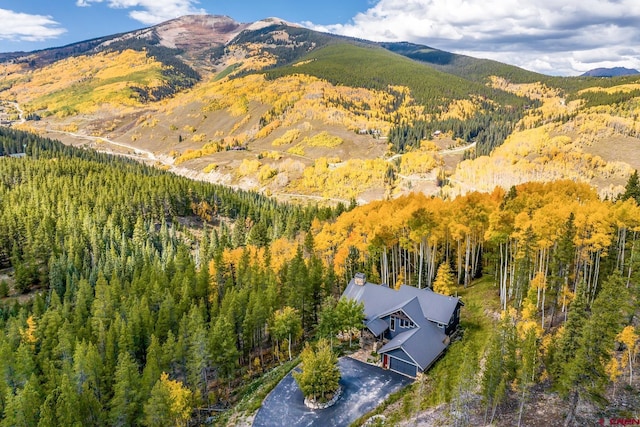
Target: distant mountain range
610, 72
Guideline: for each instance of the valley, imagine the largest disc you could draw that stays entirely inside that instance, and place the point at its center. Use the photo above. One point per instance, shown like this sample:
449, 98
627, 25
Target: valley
182, 207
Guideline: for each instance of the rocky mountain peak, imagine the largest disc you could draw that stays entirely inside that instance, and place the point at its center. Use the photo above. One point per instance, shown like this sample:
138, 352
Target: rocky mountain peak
198, 31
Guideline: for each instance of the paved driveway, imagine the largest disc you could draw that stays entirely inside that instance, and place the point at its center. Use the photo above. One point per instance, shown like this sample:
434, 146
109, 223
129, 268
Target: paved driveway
363, 388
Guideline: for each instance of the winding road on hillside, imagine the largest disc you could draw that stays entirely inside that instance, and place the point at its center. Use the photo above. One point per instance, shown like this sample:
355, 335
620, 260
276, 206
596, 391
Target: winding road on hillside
446, 151
99, 139
142, 154
20, 111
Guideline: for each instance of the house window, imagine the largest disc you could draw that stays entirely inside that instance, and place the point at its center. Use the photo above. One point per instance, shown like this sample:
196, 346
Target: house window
402, 323
392, 323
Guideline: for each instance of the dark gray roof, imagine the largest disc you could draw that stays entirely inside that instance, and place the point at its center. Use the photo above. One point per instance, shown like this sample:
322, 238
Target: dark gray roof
435, 307
377, 326
381, 299
423, 345
398, 341
411, 308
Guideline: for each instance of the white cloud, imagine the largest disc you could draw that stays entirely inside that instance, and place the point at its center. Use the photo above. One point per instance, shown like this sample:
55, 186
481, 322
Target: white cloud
546, 35
151, 12
25, 27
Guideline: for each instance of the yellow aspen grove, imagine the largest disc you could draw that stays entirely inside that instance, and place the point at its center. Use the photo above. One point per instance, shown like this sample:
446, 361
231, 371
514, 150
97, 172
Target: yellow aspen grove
629, 337
180, 399
613, 370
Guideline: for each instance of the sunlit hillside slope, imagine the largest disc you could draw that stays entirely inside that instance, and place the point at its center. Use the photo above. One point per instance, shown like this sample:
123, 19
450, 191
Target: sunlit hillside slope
303, 115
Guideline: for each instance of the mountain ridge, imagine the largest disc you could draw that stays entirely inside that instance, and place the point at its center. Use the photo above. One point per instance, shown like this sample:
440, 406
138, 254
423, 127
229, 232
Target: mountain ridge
266, 105
610, 72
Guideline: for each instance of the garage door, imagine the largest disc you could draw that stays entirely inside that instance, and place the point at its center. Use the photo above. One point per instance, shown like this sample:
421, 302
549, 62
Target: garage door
402, 367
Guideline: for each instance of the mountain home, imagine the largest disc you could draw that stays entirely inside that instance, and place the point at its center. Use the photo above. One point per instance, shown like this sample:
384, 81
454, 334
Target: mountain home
413, 325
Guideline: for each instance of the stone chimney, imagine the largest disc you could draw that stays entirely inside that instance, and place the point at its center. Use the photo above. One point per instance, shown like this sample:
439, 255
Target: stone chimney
360, 279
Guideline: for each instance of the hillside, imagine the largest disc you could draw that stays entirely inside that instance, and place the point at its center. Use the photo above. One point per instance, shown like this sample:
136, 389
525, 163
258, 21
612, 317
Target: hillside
290, 112
218, 117
158, 301
130, 295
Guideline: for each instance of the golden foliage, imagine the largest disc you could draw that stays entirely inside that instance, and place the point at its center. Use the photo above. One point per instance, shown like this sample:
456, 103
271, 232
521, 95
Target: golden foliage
210, 168
84, 83
297, 150
248, 167
240, 106
612, 369
545, 207
555, 141
536, 155
274, 155
180, 397
266, 173
323, 139
241, 123
72, 127
266, 130
461, 109
613, 89
299, 99
288, 138
199, 137
629, 337
29, 334
445, 282
189, 154
345, 181
419, 162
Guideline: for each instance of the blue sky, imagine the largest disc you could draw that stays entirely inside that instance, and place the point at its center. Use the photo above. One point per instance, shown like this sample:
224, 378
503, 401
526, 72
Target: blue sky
548, 36
60, 22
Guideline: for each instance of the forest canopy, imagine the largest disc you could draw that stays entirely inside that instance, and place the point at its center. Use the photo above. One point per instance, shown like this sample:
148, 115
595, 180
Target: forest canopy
136, 294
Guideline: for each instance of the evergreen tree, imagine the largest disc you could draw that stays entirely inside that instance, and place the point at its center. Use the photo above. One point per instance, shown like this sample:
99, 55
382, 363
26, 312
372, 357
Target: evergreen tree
198, 357
314, 283
329, 324
154, 365
528, 365
466, 385
500, 368
66, 407
222, 348
568, 341
23, 408
88, 369
350, 314
632, 189
125, 406
585, 375
320, 374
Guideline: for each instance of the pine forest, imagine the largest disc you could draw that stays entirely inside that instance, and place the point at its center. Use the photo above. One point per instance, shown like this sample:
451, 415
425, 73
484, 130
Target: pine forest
185, 244
139, 296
